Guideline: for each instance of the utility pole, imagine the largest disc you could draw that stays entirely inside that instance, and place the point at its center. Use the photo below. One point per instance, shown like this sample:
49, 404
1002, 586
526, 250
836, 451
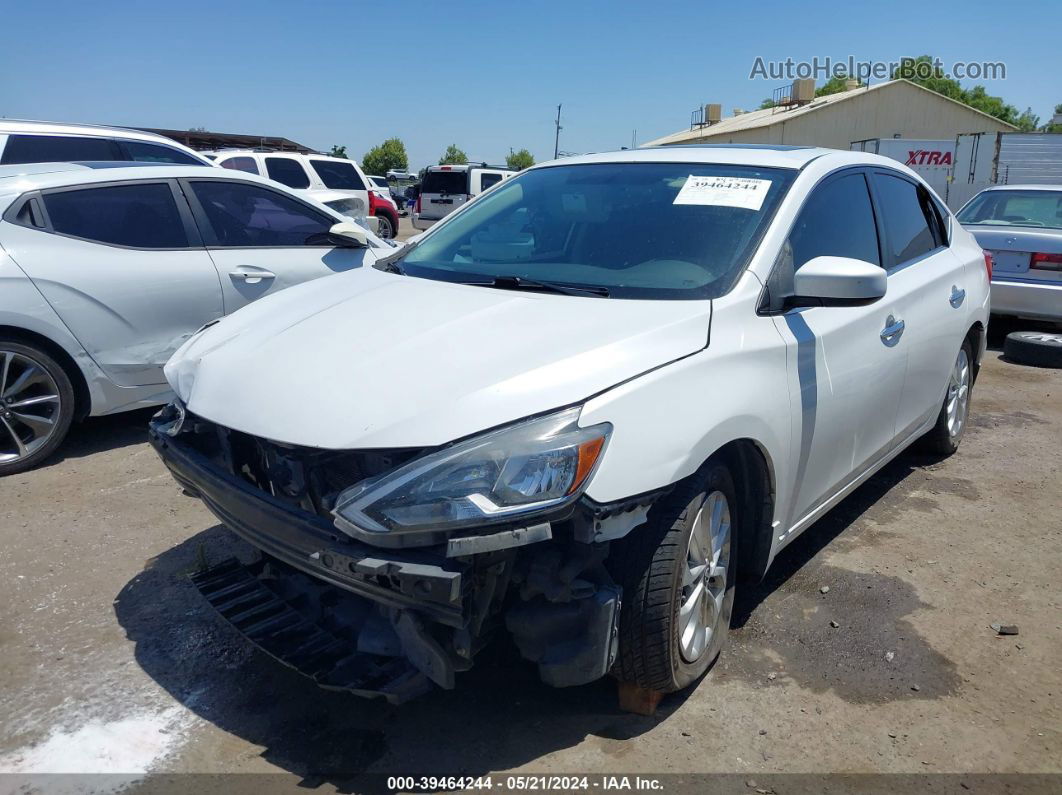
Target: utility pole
556, 142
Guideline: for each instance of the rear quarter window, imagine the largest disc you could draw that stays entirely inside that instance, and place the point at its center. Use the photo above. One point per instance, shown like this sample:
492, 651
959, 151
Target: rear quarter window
287, 171
338, 176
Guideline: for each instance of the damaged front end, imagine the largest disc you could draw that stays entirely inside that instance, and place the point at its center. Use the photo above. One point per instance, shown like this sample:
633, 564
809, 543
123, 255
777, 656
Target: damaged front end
358, 610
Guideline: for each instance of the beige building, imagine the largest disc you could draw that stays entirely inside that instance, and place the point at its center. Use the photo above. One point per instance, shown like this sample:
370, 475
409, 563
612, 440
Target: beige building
896, 109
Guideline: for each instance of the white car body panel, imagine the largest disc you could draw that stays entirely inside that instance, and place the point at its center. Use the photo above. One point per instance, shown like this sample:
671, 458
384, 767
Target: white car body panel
409, 362
9, 127
375, 360
120, 313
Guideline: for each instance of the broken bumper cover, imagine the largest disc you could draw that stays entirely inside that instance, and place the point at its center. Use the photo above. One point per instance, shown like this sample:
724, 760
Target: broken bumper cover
386, 622
311, 544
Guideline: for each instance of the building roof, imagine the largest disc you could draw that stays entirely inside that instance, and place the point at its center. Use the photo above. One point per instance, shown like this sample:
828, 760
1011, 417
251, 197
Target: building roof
204, 140
755, 119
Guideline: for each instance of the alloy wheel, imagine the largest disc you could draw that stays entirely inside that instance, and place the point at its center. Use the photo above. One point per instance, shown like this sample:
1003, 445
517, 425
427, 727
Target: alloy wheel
704, 577
958, 394
29, 406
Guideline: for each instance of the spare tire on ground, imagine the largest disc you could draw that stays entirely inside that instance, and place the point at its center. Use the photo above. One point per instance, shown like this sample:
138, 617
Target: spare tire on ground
1040, 348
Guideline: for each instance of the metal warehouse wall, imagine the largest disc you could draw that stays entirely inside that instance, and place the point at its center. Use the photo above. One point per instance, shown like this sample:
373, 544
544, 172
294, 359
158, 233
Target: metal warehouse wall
900, 109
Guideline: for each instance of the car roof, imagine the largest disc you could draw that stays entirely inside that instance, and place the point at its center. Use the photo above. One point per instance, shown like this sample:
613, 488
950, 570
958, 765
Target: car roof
36, 127
20, 178
794, 157
1025, 187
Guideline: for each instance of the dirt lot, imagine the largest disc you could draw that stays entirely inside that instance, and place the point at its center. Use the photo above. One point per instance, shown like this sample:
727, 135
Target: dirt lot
111, 661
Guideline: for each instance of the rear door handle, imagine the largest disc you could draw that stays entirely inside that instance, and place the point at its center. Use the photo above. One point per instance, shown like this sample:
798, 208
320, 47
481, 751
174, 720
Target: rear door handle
957, 296
251, 276
892, 332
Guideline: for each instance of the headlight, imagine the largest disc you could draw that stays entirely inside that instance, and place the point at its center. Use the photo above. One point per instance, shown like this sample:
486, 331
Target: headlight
533, 466
352, 208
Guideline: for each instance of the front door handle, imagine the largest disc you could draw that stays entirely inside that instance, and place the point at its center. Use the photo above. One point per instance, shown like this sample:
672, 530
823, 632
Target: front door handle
892, 332
957, 296
252, 276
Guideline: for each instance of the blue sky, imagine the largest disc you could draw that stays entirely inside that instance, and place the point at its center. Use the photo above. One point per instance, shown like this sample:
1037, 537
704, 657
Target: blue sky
484, 75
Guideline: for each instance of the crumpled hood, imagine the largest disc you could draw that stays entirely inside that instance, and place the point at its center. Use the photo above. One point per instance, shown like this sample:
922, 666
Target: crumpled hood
371, 359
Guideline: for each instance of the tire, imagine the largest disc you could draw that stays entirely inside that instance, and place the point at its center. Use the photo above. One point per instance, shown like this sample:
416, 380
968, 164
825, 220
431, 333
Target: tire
946, 435
1038, 348
387, 227
31, 431
651, 564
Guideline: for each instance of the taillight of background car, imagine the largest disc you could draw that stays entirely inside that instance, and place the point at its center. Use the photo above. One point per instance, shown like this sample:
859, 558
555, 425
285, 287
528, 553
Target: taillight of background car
1046, 262
988, 263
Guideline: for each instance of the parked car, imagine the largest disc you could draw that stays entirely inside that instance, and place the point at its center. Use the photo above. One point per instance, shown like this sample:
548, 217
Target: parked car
45, 142
579, 410
107, 270
1021, 226
334, 181
445, 188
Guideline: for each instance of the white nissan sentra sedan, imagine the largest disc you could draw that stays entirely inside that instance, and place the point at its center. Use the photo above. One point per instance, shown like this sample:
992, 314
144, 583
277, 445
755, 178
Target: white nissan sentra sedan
577, 411
106, 268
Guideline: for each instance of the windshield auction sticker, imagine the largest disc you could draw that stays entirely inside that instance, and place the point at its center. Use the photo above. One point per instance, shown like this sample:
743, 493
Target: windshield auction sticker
743, 192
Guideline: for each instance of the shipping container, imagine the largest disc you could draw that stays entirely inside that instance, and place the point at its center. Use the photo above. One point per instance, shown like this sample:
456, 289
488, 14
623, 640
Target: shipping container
931, 159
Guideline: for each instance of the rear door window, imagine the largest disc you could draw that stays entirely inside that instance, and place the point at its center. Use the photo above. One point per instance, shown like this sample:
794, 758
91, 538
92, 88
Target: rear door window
287, 171
912, 227
338, 176
144, 152
836, 221
240, 164
58, 149
142, 215
445, 182
245, 215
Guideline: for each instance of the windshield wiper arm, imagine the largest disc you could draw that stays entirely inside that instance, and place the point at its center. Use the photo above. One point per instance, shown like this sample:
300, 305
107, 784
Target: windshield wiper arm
390, 262
523, 283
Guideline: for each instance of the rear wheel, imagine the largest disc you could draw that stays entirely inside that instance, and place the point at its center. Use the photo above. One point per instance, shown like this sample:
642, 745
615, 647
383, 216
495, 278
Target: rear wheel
36, 406
387, 227
678, 573
946, 435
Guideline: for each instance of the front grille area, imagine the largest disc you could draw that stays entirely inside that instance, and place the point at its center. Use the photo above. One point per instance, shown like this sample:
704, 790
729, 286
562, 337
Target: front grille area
306, 477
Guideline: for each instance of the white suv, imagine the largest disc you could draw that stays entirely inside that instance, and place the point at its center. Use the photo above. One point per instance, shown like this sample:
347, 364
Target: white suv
446, 188
579, 410
334, 181
51, 142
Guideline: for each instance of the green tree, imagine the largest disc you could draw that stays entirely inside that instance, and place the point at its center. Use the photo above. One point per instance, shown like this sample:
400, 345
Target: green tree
767, 103
835, 85
1051, 127
453, 156
1028, 121
518, 161
924, 71
391, 154
338, 151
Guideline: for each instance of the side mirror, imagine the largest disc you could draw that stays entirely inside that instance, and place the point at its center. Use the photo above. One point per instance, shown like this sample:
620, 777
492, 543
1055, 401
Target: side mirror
348, 234
839, 280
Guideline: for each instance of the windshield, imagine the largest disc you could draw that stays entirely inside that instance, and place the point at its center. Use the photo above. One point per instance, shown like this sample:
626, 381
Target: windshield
641, 230
445, 182
1036, 208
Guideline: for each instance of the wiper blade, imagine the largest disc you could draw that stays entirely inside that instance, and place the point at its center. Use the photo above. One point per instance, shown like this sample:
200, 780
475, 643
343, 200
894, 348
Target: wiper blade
390, 262
523, 283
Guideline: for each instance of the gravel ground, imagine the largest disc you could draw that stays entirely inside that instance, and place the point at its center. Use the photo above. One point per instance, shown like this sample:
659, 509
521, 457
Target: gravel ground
111, 662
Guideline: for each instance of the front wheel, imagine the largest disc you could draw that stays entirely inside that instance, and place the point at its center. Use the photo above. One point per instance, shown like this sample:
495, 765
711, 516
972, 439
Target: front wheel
946, 435
36, 406
678, 573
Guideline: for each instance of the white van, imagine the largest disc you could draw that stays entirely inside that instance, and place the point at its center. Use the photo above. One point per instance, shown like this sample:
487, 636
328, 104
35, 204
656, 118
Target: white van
334, 181
445, 188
